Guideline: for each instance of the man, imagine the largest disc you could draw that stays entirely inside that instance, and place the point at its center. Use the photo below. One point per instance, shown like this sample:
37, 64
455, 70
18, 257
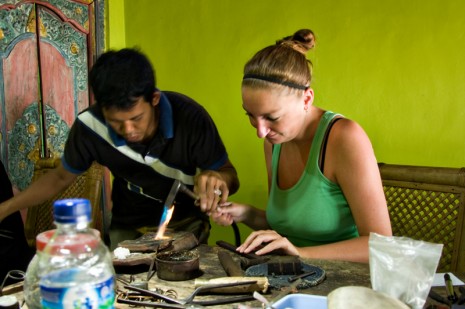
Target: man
147, 138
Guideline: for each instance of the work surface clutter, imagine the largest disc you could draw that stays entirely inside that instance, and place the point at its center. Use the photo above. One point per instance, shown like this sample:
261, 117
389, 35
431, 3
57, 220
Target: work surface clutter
178, 272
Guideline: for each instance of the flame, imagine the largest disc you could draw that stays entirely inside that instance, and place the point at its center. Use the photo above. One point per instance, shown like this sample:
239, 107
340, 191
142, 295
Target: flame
164, 224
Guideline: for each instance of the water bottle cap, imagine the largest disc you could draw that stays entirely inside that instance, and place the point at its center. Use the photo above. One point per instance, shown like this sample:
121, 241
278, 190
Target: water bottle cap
72, 210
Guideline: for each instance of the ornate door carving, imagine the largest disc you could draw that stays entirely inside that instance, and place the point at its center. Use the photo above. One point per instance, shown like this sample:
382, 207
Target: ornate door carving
46, 49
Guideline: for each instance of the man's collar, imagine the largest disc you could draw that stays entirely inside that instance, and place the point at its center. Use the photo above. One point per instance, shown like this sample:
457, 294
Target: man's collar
166, 117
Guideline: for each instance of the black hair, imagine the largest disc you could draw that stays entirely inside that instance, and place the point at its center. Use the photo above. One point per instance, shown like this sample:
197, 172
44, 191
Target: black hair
119, 78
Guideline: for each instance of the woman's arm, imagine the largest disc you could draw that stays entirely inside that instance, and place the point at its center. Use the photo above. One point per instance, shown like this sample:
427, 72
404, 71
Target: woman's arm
351, 163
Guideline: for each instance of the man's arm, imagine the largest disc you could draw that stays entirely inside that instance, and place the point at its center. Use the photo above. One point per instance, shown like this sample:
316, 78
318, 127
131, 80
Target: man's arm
229, 174
39, 191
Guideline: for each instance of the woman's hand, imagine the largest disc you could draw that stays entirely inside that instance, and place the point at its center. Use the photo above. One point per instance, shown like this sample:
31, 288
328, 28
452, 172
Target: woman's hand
221, 218
267, 241
229, 212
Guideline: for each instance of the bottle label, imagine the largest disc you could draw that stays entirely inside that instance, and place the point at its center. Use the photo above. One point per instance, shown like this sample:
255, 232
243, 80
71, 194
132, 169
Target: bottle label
83, 295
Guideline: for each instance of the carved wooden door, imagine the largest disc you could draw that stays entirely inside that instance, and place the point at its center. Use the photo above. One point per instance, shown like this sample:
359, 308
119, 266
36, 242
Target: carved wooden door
46, 49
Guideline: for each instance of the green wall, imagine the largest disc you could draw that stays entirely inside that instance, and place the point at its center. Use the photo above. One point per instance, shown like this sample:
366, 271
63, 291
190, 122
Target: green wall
394, 66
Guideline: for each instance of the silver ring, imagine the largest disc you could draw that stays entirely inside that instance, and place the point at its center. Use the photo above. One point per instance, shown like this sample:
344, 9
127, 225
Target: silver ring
217, 191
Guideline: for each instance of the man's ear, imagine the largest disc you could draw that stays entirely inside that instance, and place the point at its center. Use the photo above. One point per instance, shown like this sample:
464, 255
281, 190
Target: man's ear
156, 98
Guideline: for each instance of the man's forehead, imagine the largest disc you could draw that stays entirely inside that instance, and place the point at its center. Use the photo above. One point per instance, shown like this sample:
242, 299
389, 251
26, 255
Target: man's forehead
114, 113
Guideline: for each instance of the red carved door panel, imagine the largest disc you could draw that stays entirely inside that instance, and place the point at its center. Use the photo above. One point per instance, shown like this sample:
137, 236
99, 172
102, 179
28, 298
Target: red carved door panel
46, 49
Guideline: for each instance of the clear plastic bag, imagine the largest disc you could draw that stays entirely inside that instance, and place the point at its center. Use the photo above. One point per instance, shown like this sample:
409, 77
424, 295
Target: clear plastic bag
403, 268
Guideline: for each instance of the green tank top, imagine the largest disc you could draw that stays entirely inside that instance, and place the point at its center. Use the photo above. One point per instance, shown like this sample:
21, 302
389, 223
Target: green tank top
314, 211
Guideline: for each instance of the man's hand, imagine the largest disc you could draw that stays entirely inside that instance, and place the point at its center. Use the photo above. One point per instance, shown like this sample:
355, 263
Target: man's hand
211, 188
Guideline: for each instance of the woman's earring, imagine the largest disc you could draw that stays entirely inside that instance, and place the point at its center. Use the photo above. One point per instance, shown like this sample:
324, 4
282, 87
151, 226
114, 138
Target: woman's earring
306, 108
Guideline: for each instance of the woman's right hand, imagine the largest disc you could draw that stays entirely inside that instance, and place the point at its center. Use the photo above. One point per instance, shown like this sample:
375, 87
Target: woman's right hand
230, 212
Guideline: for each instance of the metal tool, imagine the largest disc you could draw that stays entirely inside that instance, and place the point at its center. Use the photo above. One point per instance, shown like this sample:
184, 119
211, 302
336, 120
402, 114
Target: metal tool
290, 289
232, 248
13, 274
305, 274
189, 299
269, 304
177, 186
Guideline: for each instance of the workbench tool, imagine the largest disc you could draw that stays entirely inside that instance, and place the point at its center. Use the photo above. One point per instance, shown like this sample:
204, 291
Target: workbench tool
177, 186
303, 275
289, 289
178, 265
281, 281
285, 265
230, 266
235, 285
190, 299
175, 241
232, 248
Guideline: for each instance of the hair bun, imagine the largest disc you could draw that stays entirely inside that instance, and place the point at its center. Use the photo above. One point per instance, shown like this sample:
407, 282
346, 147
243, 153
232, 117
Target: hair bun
302, 40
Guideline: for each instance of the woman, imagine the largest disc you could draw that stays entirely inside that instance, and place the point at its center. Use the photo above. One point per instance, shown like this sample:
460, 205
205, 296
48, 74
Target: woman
325, 191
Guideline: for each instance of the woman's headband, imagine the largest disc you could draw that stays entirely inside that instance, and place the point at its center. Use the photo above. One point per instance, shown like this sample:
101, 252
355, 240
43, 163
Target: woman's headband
275, 80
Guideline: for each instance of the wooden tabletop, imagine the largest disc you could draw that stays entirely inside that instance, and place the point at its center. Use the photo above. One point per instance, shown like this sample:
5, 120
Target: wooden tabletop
338, 274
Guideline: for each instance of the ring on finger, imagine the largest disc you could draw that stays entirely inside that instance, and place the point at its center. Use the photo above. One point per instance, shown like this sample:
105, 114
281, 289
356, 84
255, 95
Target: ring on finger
217, 191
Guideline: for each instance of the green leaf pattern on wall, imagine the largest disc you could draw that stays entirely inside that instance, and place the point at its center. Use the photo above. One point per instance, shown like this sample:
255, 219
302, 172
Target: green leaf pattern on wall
72, 10
13, 23
25, 135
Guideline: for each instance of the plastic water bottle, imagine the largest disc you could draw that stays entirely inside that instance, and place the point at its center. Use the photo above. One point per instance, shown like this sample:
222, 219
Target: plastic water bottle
31, 281
75, 267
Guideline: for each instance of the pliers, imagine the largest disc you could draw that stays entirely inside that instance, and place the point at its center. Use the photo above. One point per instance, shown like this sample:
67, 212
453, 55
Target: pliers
183, 303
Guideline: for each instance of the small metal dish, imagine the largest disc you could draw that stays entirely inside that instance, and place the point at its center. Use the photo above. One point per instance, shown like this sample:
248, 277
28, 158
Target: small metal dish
177, 265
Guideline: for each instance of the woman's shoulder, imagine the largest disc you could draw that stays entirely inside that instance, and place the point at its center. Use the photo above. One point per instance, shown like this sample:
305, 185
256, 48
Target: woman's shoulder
346, 127
348, 137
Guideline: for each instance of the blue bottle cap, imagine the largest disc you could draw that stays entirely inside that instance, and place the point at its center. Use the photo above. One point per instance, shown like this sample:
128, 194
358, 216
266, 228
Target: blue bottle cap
72, 210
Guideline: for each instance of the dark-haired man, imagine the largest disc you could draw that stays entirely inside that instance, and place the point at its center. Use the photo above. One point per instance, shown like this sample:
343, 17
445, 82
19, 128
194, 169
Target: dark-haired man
147, 138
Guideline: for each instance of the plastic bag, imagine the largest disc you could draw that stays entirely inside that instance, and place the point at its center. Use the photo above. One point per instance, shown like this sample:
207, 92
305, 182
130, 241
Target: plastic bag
402, 267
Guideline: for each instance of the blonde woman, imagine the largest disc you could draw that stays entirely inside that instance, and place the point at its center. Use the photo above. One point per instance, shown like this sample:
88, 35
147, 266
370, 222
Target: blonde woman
325, 191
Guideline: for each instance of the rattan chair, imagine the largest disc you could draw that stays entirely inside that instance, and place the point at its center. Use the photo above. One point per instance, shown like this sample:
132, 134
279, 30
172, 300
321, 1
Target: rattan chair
87, 185
428, 203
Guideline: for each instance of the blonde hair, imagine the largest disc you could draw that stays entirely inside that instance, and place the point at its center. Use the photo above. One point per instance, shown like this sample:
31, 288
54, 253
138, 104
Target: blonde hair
282, 65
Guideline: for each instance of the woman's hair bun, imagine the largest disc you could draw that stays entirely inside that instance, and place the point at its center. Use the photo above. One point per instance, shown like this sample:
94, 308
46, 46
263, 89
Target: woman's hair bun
302, 40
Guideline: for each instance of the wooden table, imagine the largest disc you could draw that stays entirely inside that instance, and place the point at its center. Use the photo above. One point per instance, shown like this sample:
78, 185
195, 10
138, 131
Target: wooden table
338, 274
